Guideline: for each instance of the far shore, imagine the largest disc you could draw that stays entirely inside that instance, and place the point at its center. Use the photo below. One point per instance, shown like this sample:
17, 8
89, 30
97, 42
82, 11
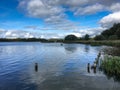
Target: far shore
91, 42
97, 43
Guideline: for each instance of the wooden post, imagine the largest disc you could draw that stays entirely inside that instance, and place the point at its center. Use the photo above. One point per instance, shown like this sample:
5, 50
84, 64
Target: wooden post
95, 66
36, 67
88, 67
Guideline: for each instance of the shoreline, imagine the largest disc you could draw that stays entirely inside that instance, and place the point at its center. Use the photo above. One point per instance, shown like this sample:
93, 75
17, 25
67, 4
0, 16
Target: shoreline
115, 43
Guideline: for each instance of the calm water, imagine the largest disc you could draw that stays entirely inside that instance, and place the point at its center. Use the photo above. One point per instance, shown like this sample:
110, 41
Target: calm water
60, 67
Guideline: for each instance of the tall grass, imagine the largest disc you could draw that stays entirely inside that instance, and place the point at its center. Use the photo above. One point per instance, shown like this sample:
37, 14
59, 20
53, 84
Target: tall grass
111, 67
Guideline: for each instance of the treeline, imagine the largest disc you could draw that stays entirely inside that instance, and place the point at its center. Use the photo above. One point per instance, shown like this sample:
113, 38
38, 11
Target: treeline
23, 40
75, 38
30, 40
110, 34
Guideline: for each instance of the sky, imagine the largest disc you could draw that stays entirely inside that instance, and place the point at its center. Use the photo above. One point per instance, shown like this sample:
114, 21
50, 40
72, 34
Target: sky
56, 18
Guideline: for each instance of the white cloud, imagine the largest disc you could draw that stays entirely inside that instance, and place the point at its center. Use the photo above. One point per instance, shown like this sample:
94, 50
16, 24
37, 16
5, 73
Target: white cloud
15, 34
89, 9
40, 8
48, 8
74, 3
91, 31
110, 19
115, 7
53, 12
24, 34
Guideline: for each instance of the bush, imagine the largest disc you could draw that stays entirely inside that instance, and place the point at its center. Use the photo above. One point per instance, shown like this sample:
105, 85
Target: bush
111, 67
86, 37
70, 38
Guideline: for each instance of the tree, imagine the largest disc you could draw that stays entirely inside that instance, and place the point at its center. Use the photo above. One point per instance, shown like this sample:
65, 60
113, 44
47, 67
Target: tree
99, 37
86, 37
70, 38
113, 37
118, 33
115, 30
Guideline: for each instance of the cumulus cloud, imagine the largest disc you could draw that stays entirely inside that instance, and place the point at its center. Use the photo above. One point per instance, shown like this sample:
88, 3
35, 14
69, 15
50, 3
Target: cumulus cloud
40, 8
115, 7
15, 34
91, 31
89, 9
25, 34
54, 11
48, 8
110, 19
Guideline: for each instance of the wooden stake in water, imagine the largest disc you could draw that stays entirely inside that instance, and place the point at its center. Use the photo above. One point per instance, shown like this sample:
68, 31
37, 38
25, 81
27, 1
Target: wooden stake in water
36, 67
88, 67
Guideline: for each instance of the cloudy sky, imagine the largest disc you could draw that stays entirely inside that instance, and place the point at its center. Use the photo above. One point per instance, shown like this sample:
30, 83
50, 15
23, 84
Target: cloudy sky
56, 18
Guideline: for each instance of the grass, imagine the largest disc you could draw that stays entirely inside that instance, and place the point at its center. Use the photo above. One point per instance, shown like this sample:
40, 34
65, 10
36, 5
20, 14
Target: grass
111, 67
96, 43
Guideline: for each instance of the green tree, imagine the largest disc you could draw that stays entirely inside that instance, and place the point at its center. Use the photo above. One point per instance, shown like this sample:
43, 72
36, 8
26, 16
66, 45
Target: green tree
118, 33
115, 30
113, 37
99, 37
70, 38
86, 37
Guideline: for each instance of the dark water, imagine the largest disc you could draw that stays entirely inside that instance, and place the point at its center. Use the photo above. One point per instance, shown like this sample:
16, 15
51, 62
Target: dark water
59, 67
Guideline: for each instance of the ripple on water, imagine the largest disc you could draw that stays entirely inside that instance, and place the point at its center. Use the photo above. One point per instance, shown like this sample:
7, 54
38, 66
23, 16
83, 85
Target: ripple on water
59, 67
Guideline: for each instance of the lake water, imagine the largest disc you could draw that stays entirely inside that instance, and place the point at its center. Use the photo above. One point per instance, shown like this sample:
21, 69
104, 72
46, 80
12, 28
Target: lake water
60, 67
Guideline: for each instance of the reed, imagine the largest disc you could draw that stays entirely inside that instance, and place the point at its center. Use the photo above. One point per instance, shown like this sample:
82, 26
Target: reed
111, 66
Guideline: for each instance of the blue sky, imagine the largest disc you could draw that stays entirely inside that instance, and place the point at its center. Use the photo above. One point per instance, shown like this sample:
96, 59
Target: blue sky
56, 18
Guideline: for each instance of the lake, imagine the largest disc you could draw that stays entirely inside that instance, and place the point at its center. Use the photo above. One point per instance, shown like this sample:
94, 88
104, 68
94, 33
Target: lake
60, 67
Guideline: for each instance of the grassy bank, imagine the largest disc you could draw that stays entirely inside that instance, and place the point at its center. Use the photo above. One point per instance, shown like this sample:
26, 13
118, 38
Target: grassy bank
95, 43
111, 67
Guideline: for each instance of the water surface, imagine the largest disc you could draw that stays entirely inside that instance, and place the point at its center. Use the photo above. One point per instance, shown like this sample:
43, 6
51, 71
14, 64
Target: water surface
60, 67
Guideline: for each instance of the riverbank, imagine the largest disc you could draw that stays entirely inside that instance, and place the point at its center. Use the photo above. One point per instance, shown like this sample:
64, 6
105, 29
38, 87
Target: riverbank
97, 43
91, 42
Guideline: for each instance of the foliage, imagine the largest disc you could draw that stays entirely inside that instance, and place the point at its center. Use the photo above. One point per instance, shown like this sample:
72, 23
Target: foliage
22, 39
113, 37
118, 33
111, 66
86, 37
71, 38
115, 30
99, 37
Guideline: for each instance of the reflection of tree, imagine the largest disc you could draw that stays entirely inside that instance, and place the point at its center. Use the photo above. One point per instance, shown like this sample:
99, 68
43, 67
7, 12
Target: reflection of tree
70, 48
87, 48
114, 76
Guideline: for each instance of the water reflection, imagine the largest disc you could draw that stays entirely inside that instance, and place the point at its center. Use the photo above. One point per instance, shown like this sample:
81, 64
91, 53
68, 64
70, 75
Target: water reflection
56, 68
116, 77
70, 48
87, 48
